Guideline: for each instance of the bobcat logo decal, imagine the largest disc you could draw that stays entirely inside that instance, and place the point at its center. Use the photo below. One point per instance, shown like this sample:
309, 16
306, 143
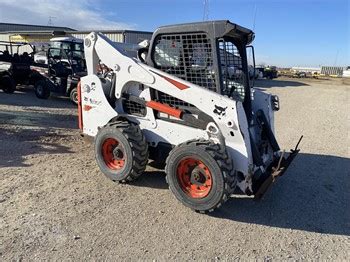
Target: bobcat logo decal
221, 111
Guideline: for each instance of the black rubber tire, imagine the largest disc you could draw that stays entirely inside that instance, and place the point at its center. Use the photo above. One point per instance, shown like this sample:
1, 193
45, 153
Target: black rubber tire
8, 84
41, 89
134, 144
74, 95
214, 156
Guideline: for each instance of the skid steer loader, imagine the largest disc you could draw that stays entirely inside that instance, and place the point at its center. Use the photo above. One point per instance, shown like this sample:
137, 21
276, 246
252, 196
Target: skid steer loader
185, 100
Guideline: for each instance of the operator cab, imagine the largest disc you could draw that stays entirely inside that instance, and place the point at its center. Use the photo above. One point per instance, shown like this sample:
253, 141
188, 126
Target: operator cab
210, 54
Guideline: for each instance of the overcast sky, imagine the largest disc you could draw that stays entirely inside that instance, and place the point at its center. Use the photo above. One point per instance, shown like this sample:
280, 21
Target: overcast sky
288, 32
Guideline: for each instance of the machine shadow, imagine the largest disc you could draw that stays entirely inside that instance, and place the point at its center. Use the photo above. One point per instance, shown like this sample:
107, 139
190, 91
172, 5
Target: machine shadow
152, 179
313, 195
266, 83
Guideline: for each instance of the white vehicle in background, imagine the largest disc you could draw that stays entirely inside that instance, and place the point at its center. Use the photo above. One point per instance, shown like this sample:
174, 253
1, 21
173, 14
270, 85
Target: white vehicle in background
346, 73
67, 42
41, 57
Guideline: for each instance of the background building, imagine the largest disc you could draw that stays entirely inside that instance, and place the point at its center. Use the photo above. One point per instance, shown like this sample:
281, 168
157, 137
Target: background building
40, 33
30, 33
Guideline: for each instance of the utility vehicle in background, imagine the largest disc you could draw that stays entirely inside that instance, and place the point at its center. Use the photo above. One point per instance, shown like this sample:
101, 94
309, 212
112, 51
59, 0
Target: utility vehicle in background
269, 72
59, 68
15, 61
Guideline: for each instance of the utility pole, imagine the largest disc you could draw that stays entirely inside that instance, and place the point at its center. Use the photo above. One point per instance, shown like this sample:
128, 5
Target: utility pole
254, 18
50, 22
206, 10
336, 58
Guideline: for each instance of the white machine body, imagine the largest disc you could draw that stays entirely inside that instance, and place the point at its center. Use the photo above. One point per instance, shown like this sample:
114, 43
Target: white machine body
230, 126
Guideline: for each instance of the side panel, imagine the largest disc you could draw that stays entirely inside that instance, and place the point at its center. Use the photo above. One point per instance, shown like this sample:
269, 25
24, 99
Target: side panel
96, 111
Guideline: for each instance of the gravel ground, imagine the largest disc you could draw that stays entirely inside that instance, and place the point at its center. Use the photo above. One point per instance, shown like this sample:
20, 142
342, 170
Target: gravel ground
56, 205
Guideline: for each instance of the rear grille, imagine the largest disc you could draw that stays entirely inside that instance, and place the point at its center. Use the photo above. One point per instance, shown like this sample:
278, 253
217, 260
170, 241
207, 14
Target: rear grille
132, 108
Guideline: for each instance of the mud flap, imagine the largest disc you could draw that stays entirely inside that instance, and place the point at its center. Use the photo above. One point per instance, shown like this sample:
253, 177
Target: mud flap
276, 169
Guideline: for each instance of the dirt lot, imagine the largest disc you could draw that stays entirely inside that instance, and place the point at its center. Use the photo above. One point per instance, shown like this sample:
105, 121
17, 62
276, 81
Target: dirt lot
56, 205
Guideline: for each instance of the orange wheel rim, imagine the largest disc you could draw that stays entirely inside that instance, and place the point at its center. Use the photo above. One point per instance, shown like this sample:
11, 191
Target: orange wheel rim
113, 154
194, 177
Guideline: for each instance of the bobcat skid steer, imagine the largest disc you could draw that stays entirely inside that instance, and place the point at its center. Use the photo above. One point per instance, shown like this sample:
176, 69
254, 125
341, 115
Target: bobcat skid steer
185, 100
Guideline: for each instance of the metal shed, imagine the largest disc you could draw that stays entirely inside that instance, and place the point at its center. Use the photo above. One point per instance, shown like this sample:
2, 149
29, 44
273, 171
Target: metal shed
332, 70
30, 33
10, 27
38, 34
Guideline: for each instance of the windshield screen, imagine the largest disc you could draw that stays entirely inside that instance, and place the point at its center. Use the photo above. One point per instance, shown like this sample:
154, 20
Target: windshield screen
233, 76
74, 58
77, 60
187, 56
68, 45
